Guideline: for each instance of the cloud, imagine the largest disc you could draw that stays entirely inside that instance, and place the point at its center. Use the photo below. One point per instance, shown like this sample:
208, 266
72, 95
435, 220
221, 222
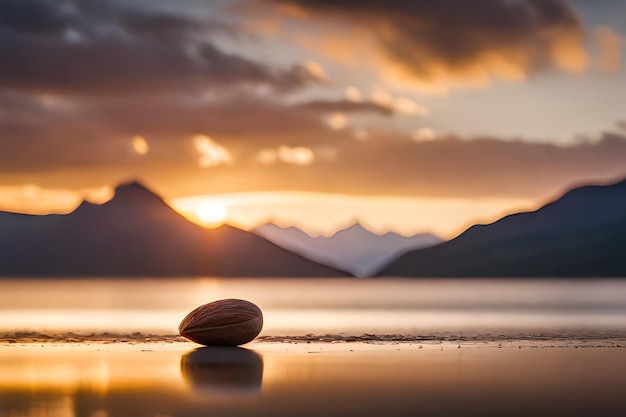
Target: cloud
294, 155
353, 94
387, 163
210, 152
457, 42
610, 48
424, 134
34, 17
140, 145
316, 70
347, 106
407, 106
92, 84
477, 168
102, 48
88, 146
361, 134
400, 105
336, 121
94, 135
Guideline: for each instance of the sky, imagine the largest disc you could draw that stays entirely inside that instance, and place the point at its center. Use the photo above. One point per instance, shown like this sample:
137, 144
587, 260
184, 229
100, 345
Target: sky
406, 115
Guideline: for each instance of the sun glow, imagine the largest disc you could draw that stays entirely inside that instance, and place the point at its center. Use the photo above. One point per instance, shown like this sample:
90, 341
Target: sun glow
212, 214
324, 214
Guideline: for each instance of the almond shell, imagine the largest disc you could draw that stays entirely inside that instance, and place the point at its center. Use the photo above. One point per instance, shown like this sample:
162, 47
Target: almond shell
229, 322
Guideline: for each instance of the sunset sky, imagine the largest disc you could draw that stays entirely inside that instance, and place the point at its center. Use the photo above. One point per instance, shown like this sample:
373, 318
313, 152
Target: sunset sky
405, 115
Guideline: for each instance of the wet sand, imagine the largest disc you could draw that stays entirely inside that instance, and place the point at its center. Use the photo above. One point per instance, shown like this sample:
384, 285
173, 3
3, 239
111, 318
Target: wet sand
136, 375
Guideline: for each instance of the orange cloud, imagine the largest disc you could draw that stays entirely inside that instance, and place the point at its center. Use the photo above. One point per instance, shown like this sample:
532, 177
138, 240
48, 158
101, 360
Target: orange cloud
424, 134
442, 45
353, 94
140, 145
316, 70
399, 105
294, 155
210, 152
336, 121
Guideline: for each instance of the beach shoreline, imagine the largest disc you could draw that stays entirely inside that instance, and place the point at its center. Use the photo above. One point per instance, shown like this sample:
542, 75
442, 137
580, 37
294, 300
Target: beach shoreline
544, 340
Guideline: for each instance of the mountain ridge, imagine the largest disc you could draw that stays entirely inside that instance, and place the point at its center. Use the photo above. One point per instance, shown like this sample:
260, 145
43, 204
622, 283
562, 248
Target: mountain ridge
137, 233
578, 234
355, 248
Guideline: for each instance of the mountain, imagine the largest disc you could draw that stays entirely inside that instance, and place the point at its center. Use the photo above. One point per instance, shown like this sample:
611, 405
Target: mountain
137, 234
582, 234
354, 249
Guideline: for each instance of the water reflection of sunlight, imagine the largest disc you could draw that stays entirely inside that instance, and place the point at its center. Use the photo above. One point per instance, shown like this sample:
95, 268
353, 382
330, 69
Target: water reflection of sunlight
87, 321
319, 306
58, 375
57, 407
208, 289
308, 379
98, 369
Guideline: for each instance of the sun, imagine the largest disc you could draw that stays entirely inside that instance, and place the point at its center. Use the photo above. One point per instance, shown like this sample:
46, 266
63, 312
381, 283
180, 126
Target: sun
212, 214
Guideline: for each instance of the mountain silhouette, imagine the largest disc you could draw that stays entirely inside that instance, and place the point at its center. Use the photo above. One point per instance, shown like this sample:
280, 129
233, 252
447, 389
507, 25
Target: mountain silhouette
354, 249
582, 234
137, 234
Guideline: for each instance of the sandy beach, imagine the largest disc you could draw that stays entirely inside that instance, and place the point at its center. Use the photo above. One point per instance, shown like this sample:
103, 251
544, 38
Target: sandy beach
169, 377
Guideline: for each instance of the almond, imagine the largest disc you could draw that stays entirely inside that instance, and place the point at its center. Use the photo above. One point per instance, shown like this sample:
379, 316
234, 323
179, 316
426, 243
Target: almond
229, 322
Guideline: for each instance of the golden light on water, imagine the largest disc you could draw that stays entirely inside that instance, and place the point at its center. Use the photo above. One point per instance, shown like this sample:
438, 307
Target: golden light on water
102, 380
380, 306
67, 368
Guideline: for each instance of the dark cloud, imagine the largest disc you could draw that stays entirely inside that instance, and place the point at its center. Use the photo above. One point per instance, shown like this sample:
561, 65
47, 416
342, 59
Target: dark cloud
84, 47
84, 77
49, 140
347, 106
448, 167
435, 40
165, 26
32, 17
43, 135
487, 167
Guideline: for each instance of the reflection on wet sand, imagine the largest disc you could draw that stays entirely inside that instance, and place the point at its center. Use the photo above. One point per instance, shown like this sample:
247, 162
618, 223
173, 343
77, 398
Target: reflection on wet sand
312, 379
220, 370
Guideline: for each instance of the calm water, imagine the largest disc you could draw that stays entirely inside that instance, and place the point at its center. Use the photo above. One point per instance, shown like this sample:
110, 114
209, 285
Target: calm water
309, 380
320, 306
496, 348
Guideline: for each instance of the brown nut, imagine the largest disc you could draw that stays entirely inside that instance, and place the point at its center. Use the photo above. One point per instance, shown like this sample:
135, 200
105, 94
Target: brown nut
227, 322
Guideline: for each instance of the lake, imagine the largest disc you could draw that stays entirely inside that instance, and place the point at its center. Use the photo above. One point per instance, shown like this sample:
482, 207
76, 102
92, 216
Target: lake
349, 347
319, 306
